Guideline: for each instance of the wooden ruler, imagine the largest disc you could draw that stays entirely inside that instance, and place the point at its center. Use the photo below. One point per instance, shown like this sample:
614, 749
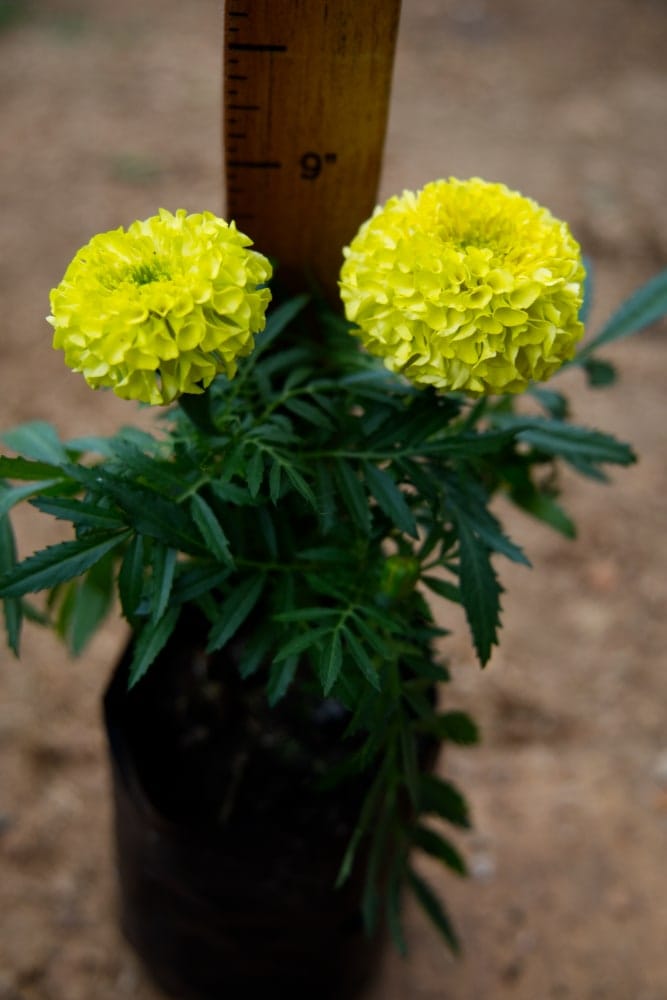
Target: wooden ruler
306, 97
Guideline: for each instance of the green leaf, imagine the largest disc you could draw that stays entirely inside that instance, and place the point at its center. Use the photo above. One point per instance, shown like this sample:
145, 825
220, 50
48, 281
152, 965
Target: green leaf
330, 661
151, 640
280, 678
255, 472
275, 481
433, 909
11, 495
438, 847
234, 611
131, 577
644, 307
300, 485
457, 727
38, 440
298, 643
211, 530
443, 588
599, 373
12, 607
82, 515
25, 468
480, 590
197, 580
362, 659
57, 563
441, 798
353, 495
147, 512
390, 498
92, 598
546, 509
256, 648
163, 564
311, 414
576, 443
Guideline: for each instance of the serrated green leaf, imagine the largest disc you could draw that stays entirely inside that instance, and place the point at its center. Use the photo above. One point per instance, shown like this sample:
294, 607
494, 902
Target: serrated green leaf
196, 580
151, 640
211, 530
434, 909
330, 661
275, 476
36, 439
353, 495
480, 590
234, 611
163, 564
255, 472
145, 510
362, 659
576, 443
300, 485
81, 514
280, 678
56, 564
310, 413
12, 606
299, 643
427, 840
441, 798
256, 649
131, 577
390, 499
443, 588
645, 306
306, 614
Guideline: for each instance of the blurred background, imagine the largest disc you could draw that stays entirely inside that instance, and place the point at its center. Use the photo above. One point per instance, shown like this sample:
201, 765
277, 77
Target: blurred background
108, 111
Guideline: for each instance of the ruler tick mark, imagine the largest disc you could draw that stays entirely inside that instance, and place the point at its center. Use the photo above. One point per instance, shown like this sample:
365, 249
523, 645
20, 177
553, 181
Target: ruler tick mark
255, 164
242, 107
255, 47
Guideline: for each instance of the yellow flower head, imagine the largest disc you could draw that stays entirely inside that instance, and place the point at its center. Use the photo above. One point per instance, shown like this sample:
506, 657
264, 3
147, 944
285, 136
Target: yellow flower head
161, 309
466, 286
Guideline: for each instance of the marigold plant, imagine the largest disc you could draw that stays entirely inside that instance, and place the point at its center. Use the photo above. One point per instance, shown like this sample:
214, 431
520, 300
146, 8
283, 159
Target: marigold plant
302, 497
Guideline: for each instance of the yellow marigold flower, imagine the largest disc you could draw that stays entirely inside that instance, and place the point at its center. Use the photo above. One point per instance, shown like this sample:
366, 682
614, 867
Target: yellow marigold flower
465, 285
161, 309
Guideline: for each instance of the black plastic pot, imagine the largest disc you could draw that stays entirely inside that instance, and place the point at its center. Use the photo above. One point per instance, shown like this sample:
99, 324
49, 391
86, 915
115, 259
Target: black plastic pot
227, 848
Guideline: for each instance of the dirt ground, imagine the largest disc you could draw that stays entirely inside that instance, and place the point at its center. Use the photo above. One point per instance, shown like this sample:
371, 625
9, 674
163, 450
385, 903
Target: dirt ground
108, 111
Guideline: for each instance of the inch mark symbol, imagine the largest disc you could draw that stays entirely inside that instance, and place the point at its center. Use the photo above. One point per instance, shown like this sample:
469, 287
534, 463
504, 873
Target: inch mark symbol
312, 164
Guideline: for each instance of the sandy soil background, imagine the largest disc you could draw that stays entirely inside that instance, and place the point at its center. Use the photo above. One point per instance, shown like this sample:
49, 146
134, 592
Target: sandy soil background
108, 111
